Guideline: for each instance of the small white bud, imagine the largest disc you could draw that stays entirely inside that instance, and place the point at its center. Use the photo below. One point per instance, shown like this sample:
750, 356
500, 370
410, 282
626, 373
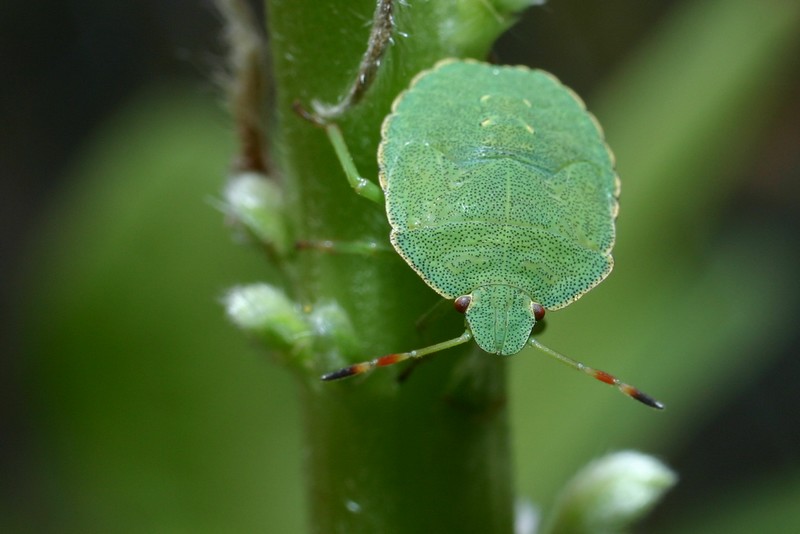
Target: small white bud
611, 493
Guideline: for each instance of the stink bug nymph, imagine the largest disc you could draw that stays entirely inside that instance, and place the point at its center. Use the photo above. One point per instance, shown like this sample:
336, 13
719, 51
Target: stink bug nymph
501, 194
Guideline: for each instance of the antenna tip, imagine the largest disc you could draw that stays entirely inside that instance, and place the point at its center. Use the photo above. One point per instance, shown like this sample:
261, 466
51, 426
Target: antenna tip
640, 396
336, 375
647, 400
356, 369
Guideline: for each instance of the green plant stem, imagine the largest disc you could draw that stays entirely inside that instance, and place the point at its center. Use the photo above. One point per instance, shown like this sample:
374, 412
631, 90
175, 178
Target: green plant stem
416, 460
430, 454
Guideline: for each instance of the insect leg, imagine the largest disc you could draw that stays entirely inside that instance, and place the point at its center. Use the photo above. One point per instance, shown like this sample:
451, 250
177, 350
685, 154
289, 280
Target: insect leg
391, 359
602, 376
360, 185
379, 38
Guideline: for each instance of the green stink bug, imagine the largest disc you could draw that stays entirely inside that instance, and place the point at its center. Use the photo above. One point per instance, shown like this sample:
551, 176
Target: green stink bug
501, 194
498, 187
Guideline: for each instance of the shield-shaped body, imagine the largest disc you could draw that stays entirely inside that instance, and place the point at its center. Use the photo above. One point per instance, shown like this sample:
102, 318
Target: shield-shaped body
499, 185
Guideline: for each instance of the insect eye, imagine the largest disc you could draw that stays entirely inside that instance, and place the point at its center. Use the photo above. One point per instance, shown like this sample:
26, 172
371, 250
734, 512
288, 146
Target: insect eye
462, 303
538, 311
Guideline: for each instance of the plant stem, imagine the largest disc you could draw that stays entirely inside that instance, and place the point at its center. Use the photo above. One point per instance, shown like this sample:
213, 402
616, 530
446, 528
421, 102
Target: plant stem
431, 453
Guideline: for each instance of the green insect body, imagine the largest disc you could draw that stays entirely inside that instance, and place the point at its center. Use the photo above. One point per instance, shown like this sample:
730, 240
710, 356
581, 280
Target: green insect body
501, 194
499, 186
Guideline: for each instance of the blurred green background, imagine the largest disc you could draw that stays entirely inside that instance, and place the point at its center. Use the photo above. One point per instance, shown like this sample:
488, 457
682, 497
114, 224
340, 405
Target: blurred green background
130, 405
